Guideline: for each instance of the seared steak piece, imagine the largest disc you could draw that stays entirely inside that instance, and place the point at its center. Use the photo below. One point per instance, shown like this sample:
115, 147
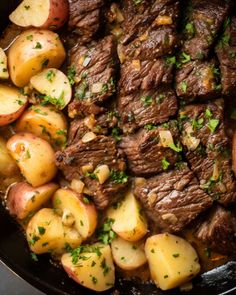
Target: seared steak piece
152, 151
203, 26
85, 18
172, 199
100, 151
147, 107
100, 124
138, 17
207, 146
95, 68
197, 79
83, 108
226, 52
144, 75
217, 231
156, 42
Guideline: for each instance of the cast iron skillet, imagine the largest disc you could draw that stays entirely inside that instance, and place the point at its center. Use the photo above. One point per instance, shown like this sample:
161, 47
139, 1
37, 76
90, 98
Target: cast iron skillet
43, 275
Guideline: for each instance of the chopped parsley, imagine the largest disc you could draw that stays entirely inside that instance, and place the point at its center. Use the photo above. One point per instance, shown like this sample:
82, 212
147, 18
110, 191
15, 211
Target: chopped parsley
176, 255
91, 175
190, 29
175, 148
76, 253
150, 127
208, 113
171, 60
61, 132
165, 164
29, 37
213, 124
34, 257
119, 176
71, 75
105, 233
146, 100
197, 123
33, 240
105, 267
41, 230
50, 75
115, 132
184, 86
184, 58
38, 45
45, 62
86, 200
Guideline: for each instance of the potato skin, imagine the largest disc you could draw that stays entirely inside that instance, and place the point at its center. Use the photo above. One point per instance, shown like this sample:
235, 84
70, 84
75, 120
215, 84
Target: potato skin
58, 14
33, 50
45, 122
23, 199
172, 260
46, 233
92, 271
34, 157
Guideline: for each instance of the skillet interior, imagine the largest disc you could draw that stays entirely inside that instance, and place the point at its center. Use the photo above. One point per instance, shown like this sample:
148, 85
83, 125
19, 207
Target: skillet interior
52, 280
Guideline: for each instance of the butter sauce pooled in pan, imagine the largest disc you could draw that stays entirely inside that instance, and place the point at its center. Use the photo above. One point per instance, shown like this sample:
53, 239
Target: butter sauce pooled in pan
115, 151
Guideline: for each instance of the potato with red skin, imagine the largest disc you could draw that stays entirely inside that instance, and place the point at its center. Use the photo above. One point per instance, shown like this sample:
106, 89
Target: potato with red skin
23, 199
45, 122
34, 156
94, 269
12, 104
32, 51
44, 14
83, 214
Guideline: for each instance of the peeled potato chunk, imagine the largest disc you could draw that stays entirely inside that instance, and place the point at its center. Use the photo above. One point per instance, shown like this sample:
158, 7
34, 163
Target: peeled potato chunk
55, 85
34, 157
129, 223
172, 260
45, 122
3, 65
72, 205
93, 268
31, 52
23, 199
46, 233
128, 255
12, 104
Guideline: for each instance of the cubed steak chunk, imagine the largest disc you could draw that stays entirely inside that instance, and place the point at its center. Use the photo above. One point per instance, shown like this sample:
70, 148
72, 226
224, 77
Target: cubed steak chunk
94, 68
205, 20
197, 79
85, 18
140, 15
147, 107
172, 199
217, 231
156, 42
152, 149
100, 124
82, 159
226, 52
207, 149
144, 75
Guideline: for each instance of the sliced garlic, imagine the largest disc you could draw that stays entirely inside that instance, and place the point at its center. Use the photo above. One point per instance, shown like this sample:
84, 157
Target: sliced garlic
166, 138
89, 136
102, 173
77, 186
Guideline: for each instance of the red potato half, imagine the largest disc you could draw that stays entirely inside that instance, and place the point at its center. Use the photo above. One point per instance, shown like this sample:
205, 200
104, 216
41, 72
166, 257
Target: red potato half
71, 204
45, 14
12, 104
23, 199
34, 156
